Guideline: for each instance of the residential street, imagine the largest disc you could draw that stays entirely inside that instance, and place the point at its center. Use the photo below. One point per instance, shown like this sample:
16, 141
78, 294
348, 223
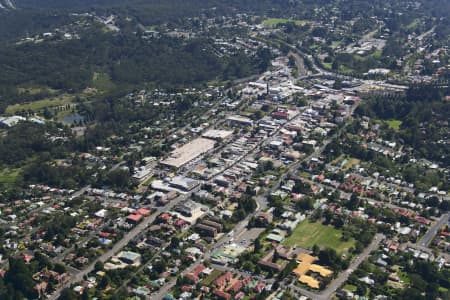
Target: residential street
431, 233
122, 243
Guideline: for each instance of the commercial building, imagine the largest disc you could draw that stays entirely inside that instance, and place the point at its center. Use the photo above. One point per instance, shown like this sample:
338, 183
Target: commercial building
240, 120
188, 152
217, 134
189, 208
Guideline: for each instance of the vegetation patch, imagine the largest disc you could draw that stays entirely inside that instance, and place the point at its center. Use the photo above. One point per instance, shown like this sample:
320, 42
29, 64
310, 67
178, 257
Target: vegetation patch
394, 124
35, 90
307, 234
213, 276
350, 287
351, 162
41, 104
277, 21
9, 176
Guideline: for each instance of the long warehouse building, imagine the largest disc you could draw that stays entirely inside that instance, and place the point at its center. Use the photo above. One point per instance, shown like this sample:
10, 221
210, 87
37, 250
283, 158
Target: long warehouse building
188, 152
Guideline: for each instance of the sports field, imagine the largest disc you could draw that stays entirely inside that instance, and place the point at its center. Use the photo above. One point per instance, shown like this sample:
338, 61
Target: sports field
276, 21
307, 234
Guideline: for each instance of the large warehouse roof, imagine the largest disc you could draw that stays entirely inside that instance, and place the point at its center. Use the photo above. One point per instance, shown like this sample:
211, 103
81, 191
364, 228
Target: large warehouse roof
188, 152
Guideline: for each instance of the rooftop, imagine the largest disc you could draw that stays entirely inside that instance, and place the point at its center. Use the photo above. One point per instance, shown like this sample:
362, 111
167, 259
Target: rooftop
186, 153
217, 134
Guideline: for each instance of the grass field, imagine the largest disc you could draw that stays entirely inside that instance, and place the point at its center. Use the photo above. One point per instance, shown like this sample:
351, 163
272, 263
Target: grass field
9, 176
351, 162
394, 124
213, 276
41, 104
276, 21
307, 234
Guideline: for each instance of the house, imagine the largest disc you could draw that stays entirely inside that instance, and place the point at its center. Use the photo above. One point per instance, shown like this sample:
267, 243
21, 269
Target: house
236, 286
280, 115
216, 225
239, 120
134, 219
266, 262
221, 294
223, 280
180, 223
367, 280
101, 213
194, 274
259, 287
143, 212
129, 257
206, 230
164, 217
284, 252
154, 241
264, 217
189, 208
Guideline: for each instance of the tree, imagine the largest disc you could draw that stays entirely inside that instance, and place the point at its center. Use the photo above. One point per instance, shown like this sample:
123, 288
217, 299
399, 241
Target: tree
257, 246
337, 85
20, 277
60, 268
68, 294
174, 243
315, 249
104, 282
159, 266
118, 178
98, 266
288, 269
353, 203
335, 65
307, 203
361, 289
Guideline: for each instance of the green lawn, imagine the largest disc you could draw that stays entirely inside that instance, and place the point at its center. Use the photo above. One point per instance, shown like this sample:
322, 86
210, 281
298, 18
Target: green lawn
41, 104
394, 124
377, 54
327, 66
403, 277
349, 287
276, 21
345, 69
9, 176
307, 234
